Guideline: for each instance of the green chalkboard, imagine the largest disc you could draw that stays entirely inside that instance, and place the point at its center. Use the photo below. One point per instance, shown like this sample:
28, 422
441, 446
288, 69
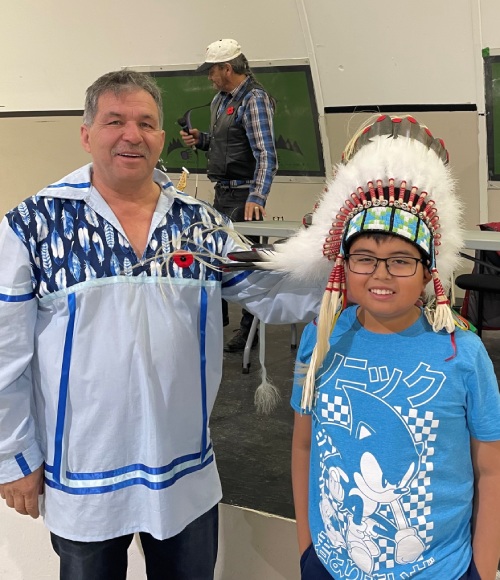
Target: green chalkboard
296, 127
492, 95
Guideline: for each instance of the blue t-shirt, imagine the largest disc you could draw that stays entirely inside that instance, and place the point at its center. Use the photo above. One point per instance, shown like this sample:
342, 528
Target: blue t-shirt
391, 481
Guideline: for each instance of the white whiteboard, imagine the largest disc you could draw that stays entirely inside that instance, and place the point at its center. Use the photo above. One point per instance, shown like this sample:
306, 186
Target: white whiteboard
386, 52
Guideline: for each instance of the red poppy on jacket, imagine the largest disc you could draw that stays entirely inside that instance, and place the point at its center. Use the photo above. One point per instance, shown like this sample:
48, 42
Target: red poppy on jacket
183, 259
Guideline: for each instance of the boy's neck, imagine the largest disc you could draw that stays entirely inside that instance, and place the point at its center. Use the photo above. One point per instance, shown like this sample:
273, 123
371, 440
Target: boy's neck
381, 325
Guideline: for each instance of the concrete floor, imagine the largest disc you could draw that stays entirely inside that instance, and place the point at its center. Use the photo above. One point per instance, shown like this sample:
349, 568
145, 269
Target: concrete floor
253, 450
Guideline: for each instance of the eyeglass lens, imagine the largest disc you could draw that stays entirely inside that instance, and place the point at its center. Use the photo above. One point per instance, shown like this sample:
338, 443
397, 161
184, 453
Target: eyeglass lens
397, 266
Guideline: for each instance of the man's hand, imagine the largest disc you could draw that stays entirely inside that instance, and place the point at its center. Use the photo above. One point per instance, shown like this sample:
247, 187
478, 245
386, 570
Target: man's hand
254, 211
22, 494
191, 138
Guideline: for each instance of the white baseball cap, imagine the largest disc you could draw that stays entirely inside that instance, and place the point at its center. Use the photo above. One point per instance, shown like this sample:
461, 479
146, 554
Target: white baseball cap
223, 50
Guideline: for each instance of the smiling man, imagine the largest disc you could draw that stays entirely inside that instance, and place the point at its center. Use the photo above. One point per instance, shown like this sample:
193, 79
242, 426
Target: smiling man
111, 349
125, 138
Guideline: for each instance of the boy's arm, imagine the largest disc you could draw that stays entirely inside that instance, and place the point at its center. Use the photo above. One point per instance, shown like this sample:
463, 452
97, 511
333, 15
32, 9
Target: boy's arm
485, 522
301, 453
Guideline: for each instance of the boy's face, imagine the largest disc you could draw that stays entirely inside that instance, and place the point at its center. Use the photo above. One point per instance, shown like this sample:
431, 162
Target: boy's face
387, 302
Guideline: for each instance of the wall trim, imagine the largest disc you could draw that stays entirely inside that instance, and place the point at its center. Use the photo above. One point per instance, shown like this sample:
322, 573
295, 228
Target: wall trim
61, 113
402, 108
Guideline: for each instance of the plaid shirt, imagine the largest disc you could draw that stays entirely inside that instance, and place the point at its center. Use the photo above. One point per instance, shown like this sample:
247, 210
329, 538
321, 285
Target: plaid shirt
256, 115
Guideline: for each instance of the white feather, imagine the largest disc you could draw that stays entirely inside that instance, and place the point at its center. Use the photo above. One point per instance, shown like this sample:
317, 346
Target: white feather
24, 212
61, 279
42, 228
91, 216
83, 237
57, 247
127, 267
89, 271
382, 158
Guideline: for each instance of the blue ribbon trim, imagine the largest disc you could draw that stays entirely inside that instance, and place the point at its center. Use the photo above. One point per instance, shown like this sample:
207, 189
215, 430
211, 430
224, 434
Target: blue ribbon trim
203, 369
75, 185
128, 482
63, 388
237, 279
19, 298
80, 476
23, 464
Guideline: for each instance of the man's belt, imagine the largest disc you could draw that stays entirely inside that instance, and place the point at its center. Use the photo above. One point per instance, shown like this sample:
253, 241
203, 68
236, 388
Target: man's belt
225, 187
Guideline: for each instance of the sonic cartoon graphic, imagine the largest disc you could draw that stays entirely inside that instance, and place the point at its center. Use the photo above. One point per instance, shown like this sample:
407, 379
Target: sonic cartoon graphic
363, 484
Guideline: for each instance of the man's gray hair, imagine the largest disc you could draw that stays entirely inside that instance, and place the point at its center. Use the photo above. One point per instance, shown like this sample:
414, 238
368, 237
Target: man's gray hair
240, 65
119, 82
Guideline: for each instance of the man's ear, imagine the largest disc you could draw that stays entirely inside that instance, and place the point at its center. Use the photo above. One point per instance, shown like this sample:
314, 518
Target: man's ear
85, 138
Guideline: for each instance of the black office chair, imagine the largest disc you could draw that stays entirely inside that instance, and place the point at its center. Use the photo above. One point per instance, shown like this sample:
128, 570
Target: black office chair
483, 284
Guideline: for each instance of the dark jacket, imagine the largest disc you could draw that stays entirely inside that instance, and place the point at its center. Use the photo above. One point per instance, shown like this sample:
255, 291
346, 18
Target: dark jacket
229, 154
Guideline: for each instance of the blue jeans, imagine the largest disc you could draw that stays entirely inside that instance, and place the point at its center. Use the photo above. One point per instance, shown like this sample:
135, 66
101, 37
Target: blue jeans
311, 568
190, 555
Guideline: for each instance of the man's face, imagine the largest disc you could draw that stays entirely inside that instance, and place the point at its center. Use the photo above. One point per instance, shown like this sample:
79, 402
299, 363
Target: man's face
125, 140
218, 76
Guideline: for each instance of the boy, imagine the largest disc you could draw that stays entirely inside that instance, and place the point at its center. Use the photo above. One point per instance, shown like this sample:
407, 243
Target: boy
396, 445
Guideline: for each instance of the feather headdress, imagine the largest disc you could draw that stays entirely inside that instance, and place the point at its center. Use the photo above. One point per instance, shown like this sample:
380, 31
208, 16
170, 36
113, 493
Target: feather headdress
394, 178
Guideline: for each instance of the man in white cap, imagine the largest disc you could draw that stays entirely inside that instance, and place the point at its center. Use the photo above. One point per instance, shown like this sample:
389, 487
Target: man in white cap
240, 146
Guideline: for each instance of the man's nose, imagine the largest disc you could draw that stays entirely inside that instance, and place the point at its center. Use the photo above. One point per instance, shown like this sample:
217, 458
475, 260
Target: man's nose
132, 133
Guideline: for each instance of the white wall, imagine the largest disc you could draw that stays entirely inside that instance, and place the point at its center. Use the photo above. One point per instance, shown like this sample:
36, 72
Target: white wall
51, 51
417, 51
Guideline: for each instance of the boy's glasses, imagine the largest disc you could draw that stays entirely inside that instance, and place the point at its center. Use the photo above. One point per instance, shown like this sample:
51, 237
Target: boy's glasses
401, 266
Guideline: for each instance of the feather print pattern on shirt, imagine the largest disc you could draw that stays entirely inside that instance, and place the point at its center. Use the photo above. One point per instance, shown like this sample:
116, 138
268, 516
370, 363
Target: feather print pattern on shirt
24, 212
70, 243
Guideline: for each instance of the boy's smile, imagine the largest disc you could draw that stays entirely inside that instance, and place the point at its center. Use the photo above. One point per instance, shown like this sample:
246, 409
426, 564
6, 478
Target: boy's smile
386, 302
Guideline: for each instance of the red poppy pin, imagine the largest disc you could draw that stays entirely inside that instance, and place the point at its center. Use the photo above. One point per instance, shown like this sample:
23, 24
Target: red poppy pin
182, 258
230, 110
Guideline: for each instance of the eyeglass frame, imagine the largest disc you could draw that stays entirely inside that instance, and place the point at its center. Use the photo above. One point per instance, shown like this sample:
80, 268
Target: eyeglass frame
387, 267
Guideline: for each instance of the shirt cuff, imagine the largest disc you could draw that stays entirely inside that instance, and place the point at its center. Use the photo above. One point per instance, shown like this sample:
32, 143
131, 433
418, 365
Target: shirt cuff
21, 464
258, 199
203, 141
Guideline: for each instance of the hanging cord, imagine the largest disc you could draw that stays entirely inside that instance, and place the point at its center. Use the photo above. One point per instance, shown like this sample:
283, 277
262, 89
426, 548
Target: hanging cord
197, 175
267, 395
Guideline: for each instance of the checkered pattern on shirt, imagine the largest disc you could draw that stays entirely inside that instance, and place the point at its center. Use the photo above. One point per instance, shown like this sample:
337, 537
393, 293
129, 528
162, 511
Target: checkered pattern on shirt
416, 503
